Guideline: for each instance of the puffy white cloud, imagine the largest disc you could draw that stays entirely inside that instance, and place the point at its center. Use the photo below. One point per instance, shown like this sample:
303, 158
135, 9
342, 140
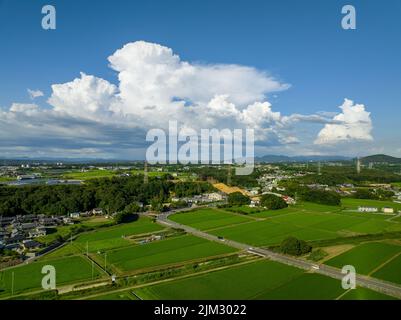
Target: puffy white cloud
86, 97
353, 123
154, 87
33, 94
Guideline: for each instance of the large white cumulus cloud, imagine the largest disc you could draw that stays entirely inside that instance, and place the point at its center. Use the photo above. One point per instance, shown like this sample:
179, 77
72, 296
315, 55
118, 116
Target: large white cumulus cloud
353, 123
155, 86
87, 97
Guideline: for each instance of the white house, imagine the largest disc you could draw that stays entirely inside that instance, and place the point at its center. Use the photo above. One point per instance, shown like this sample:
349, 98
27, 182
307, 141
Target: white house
75, 215
367, 209
388, 210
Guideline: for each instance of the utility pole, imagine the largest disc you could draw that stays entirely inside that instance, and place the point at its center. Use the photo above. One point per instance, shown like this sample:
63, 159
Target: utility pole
145, 173
229, 175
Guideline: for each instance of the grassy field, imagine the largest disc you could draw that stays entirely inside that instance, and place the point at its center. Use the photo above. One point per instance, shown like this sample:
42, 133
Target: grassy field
305, 221
241, 282
91, 174
62, 231
391, 271
29, 276
366, 257
365, 294
205, 219
164, 252
116, 236
258, 280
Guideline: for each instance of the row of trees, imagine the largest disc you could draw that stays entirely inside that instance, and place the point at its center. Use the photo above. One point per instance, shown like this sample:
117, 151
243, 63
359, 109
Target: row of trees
374, 194
295, 190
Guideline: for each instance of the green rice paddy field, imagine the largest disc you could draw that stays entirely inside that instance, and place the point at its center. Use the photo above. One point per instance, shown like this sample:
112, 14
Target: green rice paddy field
29, 277
114, 237
164, 252
258, 280
378, 259
205, 219
305, 221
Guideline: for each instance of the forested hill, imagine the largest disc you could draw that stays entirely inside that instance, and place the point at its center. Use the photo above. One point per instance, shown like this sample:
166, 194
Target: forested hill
112, 195
380, 158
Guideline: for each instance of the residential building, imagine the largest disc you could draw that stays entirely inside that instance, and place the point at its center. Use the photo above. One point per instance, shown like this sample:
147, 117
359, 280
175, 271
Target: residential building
367, 209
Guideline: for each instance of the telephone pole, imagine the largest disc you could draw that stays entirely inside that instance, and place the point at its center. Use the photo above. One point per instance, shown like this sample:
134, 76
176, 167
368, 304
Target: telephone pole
145, 173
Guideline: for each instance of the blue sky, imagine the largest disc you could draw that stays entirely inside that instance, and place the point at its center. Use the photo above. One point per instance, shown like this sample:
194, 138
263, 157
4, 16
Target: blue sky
299, 43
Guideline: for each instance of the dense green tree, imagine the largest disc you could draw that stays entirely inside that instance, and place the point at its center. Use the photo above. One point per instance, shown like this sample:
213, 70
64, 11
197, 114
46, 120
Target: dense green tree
238, 199
110, 194
295, 247
272, 202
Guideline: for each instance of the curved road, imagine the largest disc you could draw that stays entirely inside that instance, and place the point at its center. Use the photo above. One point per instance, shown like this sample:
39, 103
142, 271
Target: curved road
363, 281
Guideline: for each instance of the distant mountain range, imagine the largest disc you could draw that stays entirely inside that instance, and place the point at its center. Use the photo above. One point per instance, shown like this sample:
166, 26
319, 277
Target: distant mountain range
380, 158
281, 158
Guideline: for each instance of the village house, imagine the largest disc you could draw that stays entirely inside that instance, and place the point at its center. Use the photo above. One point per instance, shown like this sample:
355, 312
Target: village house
97, 211
31, 245
75, 215
37, 232
367, 209
387, 210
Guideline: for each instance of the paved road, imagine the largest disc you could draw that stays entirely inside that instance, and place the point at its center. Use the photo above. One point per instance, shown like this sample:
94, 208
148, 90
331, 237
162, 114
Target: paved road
363, 281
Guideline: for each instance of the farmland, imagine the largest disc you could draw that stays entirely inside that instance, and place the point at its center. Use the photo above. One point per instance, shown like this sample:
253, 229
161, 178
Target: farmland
390, 271
366, 257
131, 251
164, 252
305, 221
91, 174
257, 280
29, 277
117, 236
205, 219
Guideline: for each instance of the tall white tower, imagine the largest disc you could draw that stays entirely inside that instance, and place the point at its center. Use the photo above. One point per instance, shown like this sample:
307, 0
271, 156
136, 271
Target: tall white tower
358, 165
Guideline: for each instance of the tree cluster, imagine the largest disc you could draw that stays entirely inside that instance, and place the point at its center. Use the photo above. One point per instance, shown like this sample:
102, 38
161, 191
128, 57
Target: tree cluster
294, 246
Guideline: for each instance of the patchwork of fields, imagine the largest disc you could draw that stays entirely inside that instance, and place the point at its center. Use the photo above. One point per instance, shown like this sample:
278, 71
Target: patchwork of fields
305, 221
378, 259
257, 280
29, 277
117, 236
206, 219
164, 252
127, 255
